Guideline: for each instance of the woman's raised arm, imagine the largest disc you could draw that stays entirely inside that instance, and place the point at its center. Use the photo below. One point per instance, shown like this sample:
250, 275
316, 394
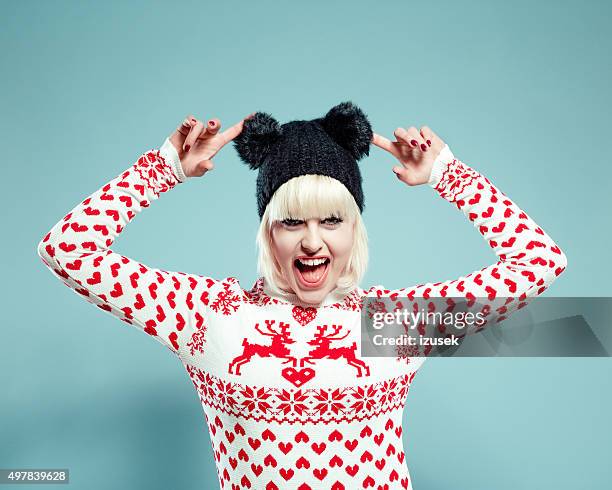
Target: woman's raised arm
170, 306
528, 259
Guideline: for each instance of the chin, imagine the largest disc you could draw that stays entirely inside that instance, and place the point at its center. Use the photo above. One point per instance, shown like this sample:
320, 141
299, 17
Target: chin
312, 297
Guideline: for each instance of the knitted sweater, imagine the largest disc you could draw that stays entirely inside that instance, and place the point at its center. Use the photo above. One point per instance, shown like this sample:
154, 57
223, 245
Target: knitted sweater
332, 420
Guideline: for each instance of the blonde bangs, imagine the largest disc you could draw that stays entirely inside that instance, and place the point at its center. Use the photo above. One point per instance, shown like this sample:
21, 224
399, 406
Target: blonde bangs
306, 197
311, 196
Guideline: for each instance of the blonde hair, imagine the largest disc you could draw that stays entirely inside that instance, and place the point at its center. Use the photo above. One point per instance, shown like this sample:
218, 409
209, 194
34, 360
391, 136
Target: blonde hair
305, 197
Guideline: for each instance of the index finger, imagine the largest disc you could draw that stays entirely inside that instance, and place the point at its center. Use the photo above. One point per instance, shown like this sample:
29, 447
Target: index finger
385, 144
230, 133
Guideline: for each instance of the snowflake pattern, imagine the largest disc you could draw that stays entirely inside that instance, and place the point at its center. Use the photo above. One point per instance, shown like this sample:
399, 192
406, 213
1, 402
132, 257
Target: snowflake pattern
155, 172
227, 301
196, 344
316, 405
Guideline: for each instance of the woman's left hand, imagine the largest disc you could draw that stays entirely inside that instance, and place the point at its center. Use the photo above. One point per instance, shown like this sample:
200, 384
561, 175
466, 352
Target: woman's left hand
415, 150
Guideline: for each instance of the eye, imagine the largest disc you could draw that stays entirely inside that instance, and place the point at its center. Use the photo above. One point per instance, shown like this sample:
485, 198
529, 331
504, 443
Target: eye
332, 220
290, 222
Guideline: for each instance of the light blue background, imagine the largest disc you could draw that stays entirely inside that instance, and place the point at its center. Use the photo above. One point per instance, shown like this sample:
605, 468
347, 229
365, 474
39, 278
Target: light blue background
519, 90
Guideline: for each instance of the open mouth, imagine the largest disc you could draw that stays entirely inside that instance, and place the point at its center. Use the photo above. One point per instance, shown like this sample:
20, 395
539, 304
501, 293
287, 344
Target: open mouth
311, 272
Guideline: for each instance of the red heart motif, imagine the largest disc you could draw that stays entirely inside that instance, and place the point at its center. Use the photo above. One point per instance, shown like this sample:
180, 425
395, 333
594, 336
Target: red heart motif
336, 461
79, 228
170, 297
368, 482
336, 435
101, 228
161, 315
67, 247
301, 437
320, 473
318, 447
90, 245
499, 228
511, 285
127, 200
95, 279
488, 213
153, 290
350, 445
286, 474
366, 456
304, 315
366, 431
298, 377
117, 290
254, 443
114, 268
180, 322
268, 434
270, 461
173, 336
139, 304
74, 266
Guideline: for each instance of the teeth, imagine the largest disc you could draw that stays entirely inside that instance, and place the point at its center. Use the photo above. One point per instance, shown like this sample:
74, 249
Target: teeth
312, 262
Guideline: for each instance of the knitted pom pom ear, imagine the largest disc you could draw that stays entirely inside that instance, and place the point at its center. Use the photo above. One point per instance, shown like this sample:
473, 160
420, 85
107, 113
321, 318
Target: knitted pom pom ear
258, 134
349, 127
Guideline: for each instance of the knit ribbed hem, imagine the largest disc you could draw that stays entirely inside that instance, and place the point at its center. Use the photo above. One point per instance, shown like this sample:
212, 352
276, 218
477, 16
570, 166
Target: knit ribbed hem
444, 158
168, 151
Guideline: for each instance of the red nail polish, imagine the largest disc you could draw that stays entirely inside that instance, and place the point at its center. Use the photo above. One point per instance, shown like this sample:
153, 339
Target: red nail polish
211, 124
423, 147
414, 143
429, 142
187, 148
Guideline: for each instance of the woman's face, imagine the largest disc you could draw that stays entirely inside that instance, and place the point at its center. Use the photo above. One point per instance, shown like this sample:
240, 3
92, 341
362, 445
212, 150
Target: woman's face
312, 254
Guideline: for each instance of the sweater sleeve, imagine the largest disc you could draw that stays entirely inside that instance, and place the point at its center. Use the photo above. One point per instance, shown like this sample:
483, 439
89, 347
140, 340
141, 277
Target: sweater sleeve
169, 306
528, 260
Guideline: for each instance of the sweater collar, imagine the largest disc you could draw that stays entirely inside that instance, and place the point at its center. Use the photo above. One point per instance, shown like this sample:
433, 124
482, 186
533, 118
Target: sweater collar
332, 298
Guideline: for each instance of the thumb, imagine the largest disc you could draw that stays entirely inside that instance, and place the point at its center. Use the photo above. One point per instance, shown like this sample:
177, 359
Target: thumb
401, 172
204, 166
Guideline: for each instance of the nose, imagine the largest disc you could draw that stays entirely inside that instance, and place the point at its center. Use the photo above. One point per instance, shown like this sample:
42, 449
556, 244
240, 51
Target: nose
312, 241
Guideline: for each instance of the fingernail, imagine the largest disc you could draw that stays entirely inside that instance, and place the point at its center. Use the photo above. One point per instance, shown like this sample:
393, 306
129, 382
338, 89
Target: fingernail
414, 143
187, 148
428, 142
211, 123
423, 147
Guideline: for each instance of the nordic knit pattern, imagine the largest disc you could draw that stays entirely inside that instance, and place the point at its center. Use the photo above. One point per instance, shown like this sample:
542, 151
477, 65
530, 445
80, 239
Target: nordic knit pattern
333, 420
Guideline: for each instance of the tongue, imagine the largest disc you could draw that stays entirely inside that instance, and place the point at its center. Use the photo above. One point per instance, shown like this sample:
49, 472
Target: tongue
313, 273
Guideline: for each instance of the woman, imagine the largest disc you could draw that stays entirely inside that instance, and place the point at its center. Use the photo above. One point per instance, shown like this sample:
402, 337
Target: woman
288, 399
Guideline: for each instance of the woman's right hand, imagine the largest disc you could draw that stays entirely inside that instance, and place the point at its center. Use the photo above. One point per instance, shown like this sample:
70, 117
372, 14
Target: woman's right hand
197, 143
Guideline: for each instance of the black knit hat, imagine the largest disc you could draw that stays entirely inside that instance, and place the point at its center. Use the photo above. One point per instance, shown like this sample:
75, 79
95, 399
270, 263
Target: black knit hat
331, 145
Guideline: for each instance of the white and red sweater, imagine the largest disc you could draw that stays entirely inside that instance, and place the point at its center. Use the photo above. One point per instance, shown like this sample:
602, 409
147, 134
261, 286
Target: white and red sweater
334, 422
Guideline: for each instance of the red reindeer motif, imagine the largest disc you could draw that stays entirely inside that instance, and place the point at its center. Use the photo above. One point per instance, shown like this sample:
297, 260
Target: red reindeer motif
277, 347
323, 350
